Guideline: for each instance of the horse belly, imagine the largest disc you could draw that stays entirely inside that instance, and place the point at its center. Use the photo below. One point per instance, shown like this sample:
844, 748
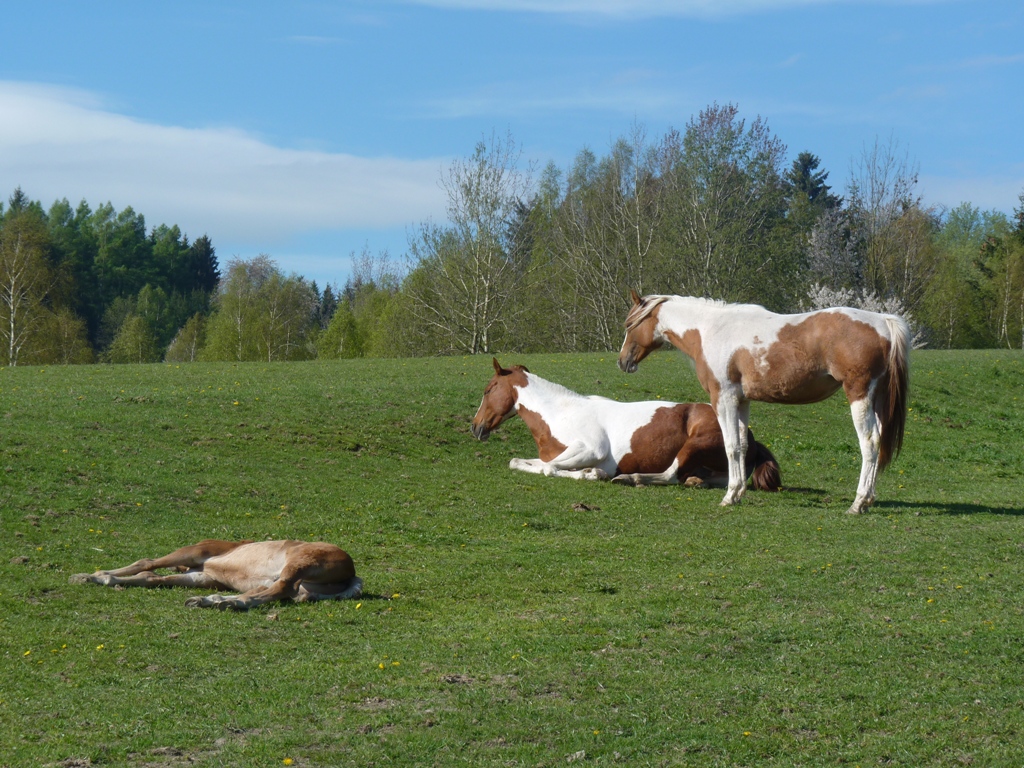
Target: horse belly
781, 373
254, 565
793, 391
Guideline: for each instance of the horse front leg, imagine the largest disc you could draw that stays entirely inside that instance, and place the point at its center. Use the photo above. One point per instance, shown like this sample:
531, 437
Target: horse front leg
580, 460
869, 435
733, 416
538, 467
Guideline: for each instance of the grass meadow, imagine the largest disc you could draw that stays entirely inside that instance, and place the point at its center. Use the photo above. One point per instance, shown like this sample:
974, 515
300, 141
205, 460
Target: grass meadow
509, 619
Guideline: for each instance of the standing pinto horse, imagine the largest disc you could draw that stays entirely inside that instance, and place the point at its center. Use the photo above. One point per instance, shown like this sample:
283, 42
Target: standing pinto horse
744, 352
594, 438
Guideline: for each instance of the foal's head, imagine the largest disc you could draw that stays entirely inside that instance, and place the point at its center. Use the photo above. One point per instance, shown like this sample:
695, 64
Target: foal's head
499, 402
642, 336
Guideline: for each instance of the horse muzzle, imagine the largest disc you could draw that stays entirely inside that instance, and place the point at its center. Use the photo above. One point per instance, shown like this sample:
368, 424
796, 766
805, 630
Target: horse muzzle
480, 432
627, 363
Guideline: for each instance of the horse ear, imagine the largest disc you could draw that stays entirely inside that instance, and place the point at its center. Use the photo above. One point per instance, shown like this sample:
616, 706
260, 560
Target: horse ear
497, 366
634, 295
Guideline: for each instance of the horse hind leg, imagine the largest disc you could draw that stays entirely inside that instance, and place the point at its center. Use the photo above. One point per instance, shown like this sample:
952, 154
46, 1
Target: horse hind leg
183, 559
669, 477
868, 427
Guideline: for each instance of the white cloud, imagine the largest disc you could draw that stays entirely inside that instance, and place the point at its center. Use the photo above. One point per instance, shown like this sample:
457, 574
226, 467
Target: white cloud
57, 143
628, 93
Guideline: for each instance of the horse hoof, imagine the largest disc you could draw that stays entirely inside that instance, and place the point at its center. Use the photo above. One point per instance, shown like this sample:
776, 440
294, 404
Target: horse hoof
79, 578
859, 505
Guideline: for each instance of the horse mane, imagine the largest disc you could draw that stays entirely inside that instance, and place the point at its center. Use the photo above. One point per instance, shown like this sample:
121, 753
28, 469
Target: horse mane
642, 311
648, 304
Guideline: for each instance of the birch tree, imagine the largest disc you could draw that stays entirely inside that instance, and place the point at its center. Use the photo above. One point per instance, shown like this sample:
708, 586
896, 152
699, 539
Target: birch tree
894, 231
727, 195
604, 235
463, 282
25, 277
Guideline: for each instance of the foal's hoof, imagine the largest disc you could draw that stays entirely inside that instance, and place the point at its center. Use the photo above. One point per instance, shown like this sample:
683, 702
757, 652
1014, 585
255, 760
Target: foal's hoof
194, 602
79, 578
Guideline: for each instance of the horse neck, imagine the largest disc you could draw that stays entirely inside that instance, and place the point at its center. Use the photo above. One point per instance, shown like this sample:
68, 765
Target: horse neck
684, 313
543, 396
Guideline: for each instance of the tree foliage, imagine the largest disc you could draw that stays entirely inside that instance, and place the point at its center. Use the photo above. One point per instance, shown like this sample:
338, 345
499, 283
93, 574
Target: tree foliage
464, 284
712, 210
261, 314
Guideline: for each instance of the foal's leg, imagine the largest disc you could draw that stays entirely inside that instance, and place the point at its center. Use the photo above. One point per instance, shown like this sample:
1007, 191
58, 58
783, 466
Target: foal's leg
192, 556
733, 414
869, 434
191, 578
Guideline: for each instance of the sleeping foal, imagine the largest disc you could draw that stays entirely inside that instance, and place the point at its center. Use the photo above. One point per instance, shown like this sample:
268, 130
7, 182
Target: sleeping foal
263, 571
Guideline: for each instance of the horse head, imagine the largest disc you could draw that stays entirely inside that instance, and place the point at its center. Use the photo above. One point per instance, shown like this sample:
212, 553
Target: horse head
499, 401
642, 335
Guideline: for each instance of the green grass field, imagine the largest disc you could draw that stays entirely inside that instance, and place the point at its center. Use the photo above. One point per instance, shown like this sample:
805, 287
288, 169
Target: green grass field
508, 619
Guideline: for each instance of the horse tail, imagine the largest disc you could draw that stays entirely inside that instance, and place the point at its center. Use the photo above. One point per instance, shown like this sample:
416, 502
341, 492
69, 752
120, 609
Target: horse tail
897, 386
766, 475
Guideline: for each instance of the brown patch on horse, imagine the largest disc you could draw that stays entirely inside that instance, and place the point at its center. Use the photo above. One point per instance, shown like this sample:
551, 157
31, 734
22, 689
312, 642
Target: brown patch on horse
640, 324
857, 362
499, 398
690, 433
691, 344
655, 446
547, 446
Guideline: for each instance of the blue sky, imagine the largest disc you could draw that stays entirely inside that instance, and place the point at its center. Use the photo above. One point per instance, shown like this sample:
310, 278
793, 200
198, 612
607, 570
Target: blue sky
308, 130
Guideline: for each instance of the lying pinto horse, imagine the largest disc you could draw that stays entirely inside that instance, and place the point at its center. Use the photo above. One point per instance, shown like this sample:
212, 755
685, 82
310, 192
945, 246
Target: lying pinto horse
263, 571
594, 438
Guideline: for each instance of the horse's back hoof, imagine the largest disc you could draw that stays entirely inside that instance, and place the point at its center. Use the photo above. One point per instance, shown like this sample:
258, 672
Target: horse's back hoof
79, 578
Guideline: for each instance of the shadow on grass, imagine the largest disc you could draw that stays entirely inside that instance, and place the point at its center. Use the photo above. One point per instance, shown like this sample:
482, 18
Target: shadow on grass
947, 508
919, 507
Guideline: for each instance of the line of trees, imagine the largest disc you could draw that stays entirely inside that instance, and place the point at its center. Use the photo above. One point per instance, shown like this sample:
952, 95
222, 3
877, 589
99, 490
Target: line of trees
529, 261
74, 281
